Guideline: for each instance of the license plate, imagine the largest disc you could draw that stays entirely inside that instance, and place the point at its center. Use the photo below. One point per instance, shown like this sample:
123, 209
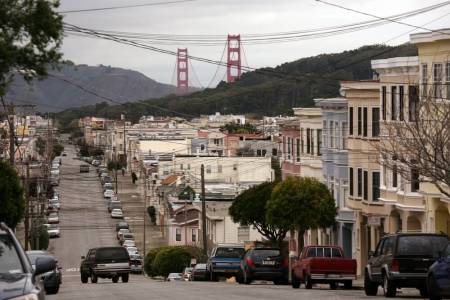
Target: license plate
268, 263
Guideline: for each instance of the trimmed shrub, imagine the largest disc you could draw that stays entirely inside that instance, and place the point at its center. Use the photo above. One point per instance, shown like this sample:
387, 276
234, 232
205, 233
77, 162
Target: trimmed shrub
171, 260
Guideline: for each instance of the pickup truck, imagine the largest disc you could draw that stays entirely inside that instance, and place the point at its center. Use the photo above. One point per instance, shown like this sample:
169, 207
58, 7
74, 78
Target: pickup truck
225, 261
323, 264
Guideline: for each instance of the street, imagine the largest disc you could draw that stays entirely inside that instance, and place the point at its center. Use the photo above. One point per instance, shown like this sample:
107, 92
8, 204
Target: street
85, 223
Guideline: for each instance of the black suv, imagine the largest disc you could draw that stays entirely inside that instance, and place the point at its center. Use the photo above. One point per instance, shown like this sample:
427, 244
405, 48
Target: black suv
105, 262
17, 277
402, 260
264, 264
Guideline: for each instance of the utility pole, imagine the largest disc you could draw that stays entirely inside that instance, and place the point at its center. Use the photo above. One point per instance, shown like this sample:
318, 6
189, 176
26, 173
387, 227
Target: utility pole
145, 205
205, 242
27, 205
12, 141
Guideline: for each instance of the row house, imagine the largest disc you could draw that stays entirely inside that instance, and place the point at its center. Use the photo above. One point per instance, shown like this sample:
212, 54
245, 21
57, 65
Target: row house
290, 148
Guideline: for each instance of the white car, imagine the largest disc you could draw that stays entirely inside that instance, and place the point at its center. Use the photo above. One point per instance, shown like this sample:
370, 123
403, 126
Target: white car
108, 194
117, 213
128, 243
54, 203
132, 251
174, 277
53, 230
108, 186
53, 218
121, 232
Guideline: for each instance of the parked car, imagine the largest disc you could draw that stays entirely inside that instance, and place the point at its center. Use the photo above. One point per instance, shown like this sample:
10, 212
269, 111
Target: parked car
121, 232
52, 279
323, 264
64, 154
174, 277
402, 260
105, 262
438, 279
53, 230
187, 273
225, 260
96, 163
54, 203
54, 180
199, 273
84, 168
128, 243
264, 263
122, 225
17, 276
108, 186
117, 213
108, 194
53, 218
132, 250
126, 236
113, 204
136, 263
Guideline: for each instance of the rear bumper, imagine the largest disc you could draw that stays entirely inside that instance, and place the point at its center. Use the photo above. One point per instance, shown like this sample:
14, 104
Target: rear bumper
268, 274
333, 277
408, 279
110, 272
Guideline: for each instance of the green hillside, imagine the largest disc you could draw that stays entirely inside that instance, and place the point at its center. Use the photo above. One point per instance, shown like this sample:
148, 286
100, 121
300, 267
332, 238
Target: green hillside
268, 91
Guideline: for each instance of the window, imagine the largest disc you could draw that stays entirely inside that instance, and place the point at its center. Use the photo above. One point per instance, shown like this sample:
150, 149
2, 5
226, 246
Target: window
359, 182
258, 152
393, 103
181, 166
383, 101
365, 183
289, 148
312, 141
424, 81
359, 121
298, 150
178, 235
336, 135
350, 119
437, 80
350, 177
388, 246
365, 121
243, 233
292, 147
202, 147
375, 121
219, 168
331, 135
394, 173
375, 186
413, 99
324, 133
415, 180
301, 141
319, 141
308, 140
344, 135
208, 169
401, 100
194, 235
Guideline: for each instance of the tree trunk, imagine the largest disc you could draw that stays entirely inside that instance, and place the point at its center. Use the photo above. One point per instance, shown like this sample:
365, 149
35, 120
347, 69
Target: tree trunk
300, 240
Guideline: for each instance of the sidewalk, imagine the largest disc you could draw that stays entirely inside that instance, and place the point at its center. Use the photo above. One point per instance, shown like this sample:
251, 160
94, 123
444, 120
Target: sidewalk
134, 210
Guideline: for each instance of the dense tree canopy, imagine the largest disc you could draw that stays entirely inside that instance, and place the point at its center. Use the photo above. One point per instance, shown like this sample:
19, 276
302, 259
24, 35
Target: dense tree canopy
31, 33
249, 208
12, 201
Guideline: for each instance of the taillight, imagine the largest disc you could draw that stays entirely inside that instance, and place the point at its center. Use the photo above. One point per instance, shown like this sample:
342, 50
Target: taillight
285, 263
250, 262
395, 266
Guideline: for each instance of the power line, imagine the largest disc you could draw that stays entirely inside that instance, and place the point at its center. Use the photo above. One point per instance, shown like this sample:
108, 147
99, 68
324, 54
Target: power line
124, 6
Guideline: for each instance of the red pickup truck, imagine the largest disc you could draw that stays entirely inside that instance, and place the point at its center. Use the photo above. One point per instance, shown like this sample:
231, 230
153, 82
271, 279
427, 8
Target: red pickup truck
323, 264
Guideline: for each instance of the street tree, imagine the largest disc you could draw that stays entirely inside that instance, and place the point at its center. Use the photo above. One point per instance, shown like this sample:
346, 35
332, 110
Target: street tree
249, 208
301, 204
31, 34
12, 201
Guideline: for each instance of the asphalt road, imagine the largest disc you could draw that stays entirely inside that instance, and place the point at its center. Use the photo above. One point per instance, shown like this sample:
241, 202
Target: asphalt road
85, 223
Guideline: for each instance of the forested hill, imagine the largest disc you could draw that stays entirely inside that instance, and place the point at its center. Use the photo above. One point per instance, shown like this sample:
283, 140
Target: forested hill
268, 91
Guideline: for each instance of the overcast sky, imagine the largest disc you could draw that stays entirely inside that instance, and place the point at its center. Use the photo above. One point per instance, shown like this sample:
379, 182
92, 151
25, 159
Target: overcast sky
233, 17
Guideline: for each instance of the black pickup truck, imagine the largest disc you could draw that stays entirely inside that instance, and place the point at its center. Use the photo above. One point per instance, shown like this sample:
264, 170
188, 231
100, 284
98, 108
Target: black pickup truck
105, 262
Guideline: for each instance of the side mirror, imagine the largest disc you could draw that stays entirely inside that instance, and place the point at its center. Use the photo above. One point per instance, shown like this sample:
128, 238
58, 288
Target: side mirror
44, 264
83, 257
371, 253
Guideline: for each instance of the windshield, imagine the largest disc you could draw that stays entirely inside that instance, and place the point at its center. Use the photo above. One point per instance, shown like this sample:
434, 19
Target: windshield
421, 245
230, 252
112, 253
200, 266
9, 259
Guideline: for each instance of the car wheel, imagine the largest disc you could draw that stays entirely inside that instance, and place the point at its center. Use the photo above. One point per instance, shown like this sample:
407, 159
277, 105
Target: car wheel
94, 278
370, 287
125, 277
348, 284
52, 290
333, 285
389, 288
84, 278
432, 288
214, 277
115, 279
308, 282
295, 282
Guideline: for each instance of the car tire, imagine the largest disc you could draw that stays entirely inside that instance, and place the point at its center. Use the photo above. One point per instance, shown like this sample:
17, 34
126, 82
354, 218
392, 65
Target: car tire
115, 279
295, 282
333, 285
214, 277
52, 290
308, 282
84, 278
348, 285
389, 288
125, 277
94, 278
432, 288
370, 287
